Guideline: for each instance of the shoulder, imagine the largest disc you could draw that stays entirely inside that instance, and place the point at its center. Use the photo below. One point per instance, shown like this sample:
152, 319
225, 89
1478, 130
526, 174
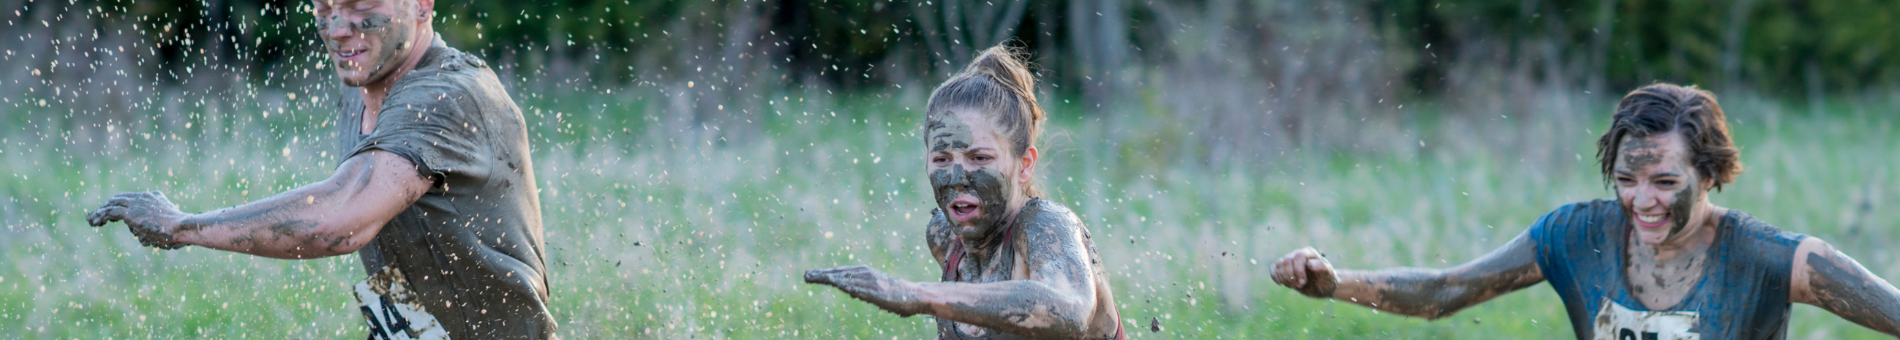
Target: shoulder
1047, 222
1765, 243
444, 76
1580, 217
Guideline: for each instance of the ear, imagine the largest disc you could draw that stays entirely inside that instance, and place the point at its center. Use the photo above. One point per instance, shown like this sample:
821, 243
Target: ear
1029, 166
425, 9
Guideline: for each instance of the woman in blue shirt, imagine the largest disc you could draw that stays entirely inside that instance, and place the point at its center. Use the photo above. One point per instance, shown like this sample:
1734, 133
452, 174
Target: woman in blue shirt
1659, 262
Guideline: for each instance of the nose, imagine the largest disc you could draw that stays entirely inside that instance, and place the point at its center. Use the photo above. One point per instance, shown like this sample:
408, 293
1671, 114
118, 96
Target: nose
336, 27
1647, 198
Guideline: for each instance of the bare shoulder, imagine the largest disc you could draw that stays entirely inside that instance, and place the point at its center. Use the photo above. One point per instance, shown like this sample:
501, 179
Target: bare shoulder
1046, 223
1053, 239
938, 235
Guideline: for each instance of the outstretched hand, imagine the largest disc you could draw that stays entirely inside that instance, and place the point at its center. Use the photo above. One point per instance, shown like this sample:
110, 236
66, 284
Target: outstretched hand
1307, 271
150, 217
887, 292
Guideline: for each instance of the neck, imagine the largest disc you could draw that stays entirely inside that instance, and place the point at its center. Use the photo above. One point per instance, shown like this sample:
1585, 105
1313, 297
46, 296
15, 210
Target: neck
981, 249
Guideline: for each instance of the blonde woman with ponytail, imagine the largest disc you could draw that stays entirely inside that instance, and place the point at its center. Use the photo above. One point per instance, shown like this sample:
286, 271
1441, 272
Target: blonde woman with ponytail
1015, 266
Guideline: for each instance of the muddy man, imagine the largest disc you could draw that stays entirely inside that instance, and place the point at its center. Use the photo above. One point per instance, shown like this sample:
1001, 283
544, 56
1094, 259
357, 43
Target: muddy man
434, 191
1659, 262
1014, 266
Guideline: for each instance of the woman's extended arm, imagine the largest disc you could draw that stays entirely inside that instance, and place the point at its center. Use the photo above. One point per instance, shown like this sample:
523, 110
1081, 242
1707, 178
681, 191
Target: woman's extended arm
1055, 302
1426, 293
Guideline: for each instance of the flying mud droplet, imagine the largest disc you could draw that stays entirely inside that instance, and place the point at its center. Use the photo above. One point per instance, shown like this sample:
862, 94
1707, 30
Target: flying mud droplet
1154, 324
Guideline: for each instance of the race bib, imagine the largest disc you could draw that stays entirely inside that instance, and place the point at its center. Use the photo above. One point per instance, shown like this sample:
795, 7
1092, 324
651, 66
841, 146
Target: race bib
393, 311
1614, 322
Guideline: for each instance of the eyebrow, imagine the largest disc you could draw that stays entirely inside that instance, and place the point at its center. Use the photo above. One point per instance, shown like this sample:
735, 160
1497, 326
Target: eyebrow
1663, 174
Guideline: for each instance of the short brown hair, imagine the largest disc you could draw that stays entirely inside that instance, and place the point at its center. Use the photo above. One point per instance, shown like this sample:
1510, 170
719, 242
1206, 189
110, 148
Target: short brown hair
1663, 108
999, 84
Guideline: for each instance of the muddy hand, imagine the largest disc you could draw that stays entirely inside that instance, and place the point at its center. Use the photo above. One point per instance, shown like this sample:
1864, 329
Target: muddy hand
887, 292
1307, 271
149, 216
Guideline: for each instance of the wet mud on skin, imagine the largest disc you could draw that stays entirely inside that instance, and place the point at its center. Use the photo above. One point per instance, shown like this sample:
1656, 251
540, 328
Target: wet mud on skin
144, 215
395, 43
1687, 198
947, 132
1842, 286
395, 40
1640, 153
1434, 294
990, 189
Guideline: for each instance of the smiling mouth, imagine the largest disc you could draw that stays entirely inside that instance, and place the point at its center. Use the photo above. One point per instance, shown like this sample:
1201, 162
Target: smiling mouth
345, 55
1651, 221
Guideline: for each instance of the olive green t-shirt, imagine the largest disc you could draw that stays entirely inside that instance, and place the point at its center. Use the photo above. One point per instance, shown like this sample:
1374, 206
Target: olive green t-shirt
472, 246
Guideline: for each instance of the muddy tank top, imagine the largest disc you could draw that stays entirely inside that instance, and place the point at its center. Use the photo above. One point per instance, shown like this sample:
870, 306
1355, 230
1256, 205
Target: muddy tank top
1743, 293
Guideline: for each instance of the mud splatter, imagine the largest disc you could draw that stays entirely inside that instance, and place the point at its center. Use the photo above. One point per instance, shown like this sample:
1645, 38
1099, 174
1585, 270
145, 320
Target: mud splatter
1640, 153
947, 132
1662, 283
1688, 197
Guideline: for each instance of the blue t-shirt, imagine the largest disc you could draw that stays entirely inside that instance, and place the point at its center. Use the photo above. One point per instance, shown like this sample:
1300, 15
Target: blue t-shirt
1743, 293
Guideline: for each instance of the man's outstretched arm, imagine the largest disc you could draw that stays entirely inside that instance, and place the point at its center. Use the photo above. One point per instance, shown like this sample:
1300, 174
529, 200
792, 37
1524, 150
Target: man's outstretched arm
332, 217
1425, 293
1826, 278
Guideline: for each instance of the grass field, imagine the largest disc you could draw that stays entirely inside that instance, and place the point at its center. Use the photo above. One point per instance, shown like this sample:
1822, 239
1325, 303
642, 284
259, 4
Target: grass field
655, 231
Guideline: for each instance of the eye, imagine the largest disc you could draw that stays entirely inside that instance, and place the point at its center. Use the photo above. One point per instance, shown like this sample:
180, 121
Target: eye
939, 159
1624, 180
982, 158
1666, 182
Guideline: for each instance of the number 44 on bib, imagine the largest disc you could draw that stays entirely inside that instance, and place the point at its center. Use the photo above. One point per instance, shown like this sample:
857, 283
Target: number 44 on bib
393, 311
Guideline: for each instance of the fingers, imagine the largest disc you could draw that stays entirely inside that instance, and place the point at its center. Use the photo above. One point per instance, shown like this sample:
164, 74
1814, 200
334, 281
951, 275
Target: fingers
830, 276
104, 215
818, 276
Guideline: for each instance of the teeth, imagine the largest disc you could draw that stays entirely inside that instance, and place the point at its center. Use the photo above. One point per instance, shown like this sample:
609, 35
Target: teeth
1649, 218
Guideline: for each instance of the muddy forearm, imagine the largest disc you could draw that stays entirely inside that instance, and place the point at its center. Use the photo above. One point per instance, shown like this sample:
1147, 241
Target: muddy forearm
332, 217
1024, 307
1425, 293
1840, 285
1437, 293
287, 225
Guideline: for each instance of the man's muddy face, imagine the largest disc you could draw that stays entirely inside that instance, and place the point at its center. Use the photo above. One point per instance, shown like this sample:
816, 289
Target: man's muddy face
1659, 189
971, 171
366, 39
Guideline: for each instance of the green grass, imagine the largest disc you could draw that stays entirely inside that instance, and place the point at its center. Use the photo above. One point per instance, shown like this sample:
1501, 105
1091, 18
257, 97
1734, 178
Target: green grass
663, 230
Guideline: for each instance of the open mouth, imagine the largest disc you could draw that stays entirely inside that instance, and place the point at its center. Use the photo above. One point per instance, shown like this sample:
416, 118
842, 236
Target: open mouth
963, 210
1651, 221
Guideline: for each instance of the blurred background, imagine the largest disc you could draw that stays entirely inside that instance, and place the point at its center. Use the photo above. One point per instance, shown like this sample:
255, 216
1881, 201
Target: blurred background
696, 156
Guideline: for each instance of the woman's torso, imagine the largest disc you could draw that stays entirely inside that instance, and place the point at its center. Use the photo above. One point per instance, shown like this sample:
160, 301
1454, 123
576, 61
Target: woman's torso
1010, 263
1742, 294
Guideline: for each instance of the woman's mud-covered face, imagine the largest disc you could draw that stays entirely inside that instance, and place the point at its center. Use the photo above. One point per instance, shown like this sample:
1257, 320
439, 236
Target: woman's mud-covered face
971, 171
365, 39
1658, 187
